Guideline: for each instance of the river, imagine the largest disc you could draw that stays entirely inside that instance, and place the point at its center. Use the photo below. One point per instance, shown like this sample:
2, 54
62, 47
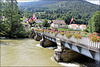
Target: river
28, 52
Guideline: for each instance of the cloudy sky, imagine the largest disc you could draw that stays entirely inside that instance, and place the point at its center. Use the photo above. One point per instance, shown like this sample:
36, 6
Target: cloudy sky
92, 1
26, 0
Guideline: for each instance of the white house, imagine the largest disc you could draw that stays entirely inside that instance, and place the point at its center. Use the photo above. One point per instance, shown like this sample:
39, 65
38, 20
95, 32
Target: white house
58, 24
77, 27
38, 21
3, 18
25, 20
82, 27
73, 26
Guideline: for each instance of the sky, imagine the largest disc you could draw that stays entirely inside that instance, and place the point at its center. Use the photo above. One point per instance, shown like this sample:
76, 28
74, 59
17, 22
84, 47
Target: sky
91, 1
26, 0
94, 1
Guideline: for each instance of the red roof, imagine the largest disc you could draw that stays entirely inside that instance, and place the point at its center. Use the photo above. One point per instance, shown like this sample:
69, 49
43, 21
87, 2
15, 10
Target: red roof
73, 24
83, 25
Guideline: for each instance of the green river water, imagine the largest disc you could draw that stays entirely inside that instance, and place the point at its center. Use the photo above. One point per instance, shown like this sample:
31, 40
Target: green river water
27, 52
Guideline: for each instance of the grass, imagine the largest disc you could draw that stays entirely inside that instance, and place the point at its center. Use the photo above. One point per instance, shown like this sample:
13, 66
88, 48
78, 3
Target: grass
62, 29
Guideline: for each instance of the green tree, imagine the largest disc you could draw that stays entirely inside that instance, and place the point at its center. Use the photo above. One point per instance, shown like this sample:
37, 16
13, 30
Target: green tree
0, 11
26, 14
39, 24
13, 22
45, 23
94, 23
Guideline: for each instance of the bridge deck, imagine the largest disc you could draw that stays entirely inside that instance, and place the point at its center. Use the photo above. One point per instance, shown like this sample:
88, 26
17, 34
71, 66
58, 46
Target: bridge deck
85, 42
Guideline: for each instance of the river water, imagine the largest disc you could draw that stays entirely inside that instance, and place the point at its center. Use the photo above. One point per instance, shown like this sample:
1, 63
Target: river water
28, 52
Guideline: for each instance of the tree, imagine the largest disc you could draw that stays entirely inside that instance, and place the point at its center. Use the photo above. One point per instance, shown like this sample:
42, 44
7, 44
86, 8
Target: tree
39, 24
0, 12
94, 23
13, 22
26, 14
45, 23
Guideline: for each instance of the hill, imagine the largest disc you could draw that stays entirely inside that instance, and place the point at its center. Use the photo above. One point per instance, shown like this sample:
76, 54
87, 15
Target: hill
80, 10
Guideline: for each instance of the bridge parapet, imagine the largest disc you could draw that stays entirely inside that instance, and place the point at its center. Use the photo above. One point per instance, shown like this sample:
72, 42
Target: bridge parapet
84, 40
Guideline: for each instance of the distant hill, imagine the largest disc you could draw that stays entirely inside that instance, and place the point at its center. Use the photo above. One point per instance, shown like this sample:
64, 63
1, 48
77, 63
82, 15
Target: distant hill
36, 4
64, 10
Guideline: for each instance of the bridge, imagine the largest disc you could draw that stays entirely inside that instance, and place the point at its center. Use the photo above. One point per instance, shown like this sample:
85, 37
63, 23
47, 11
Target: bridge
83, 46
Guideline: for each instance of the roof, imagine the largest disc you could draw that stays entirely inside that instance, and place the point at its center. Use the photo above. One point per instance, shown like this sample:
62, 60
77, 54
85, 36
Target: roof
83, 25
73, 24
25, 19
58, 22
38, 21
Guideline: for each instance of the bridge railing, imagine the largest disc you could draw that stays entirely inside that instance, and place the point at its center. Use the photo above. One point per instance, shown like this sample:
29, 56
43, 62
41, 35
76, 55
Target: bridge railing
85, 37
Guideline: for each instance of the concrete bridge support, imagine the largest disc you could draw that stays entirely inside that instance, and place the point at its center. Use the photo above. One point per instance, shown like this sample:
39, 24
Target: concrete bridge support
33, 34
63, 54
37, 37
47, 43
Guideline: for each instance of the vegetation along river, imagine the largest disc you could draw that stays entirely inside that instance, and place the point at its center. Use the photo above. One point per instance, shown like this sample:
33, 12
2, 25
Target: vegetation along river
28, 52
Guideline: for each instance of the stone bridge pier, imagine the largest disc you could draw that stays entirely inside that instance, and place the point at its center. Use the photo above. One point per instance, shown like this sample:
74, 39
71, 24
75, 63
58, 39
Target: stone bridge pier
47, 43
63, 54
37, 37
33, 34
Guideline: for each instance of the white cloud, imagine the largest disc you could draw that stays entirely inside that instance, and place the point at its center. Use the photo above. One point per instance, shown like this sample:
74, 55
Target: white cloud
94, 1
26, 0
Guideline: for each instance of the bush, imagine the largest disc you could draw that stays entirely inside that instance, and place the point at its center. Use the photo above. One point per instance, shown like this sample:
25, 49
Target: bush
85, 30
51, 31
94, 37
62, 32
69, 29
41, 30
36, 29
68, 34
47, 31
56, 32
77, 36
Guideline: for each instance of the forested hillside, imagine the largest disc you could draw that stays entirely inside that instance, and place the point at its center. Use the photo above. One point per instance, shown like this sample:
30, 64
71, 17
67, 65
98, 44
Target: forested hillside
81, 11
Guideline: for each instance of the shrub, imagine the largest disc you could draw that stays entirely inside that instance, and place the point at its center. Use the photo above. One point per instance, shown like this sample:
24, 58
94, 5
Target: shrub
51, 31
36, 29
41, 30
68, 34
94, 37
85, 30
70, 29
47, 31
77, 36
62, 32
56, 32
44, 30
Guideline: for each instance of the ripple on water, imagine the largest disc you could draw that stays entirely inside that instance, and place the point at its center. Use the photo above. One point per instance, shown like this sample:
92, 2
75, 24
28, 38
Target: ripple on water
69, 64
38, 45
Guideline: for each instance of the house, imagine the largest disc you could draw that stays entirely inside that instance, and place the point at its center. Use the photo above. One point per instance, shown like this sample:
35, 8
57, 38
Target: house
38, 21
25, 20
73, 26
82, 27
3, 18
77, 27
58, 24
